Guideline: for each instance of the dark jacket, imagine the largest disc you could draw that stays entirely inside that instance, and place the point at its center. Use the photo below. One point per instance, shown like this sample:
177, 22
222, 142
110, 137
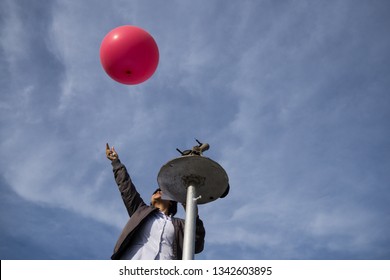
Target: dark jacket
138, 210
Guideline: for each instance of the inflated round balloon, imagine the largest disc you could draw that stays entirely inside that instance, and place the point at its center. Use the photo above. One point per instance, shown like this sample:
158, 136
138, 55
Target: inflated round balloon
129, 54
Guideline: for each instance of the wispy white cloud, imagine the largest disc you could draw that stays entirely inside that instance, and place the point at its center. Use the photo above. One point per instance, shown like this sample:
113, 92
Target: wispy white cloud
11, 35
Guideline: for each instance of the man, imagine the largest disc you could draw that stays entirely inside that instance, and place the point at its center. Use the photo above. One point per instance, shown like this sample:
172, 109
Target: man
152, 231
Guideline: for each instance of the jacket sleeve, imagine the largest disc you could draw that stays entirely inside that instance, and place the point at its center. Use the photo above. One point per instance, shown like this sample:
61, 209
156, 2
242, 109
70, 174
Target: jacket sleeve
130, 196
200, 234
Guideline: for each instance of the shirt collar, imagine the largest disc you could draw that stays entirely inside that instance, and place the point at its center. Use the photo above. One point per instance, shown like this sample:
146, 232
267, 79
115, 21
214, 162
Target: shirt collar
162, 215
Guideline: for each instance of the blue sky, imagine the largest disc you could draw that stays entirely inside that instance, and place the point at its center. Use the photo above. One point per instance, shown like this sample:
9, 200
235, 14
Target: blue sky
292, 96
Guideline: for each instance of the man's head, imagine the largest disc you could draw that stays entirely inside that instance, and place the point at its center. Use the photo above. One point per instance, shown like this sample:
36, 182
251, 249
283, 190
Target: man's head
169, 206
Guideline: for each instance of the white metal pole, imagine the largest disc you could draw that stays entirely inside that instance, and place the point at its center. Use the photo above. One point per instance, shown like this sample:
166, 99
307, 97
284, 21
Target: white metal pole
190, 224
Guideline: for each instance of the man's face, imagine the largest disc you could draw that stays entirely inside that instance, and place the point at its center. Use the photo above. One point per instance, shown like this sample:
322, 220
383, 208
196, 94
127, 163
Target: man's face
156, 195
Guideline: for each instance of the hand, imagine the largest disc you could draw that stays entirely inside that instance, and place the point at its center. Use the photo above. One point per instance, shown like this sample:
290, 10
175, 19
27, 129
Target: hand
111, 153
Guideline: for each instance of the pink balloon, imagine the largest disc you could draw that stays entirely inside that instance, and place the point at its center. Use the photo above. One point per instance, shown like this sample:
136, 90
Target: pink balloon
129, 55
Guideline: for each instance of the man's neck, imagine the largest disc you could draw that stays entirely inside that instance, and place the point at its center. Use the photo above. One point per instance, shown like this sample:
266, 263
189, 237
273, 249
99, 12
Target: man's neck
162, 208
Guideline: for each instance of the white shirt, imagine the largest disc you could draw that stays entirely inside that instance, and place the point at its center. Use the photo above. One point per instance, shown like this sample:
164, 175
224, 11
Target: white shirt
153, 241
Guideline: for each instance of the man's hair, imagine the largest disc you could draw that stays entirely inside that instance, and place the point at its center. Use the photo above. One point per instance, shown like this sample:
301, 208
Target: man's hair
172, 210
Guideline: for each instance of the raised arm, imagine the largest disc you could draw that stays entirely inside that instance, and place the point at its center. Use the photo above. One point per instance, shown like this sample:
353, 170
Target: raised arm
130, 196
